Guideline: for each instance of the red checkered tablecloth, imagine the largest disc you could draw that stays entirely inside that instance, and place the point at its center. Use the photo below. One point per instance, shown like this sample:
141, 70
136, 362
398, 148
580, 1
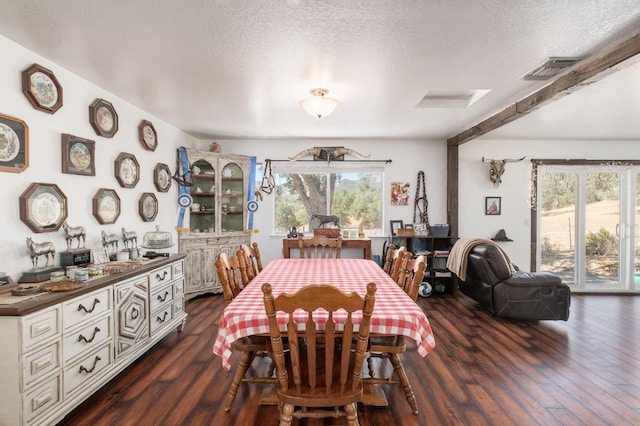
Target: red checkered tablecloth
394, 312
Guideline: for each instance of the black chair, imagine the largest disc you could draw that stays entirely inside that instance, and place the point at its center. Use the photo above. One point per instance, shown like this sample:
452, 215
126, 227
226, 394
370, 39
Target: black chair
521, 295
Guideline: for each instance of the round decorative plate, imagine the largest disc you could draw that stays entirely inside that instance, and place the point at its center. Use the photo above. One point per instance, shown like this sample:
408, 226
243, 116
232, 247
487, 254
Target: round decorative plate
9, 143
104, 119
44, 89
149, 208
128, 171
80, 156
46, 209
108, 208
164, 180
149, 136
185, 200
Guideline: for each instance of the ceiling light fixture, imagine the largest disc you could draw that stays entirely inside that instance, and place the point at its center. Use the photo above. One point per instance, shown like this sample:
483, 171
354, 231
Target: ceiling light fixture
319, 104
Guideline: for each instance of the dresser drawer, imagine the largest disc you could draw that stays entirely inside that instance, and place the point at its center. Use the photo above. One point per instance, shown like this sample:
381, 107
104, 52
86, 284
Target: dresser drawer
178, 307
178, 269
161, 296
87, 369
39, 363
87, 337
160, 276
87, 307
38, 327
178, 288
161, 318
41, 398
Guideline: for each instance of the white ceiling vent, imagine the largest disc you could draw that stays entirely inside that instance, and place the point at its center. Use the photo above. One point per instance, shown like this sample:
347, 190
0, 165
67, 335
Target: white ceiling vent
551, 68
451, 99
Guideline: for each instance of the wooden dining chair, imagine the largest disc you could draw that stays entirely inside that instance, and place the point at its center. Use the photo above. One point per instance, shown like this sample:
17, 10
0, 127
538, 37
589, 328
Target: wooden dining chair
320, 246
321, 368
396, 262
228, 269
250, 262
411, 274
388, 258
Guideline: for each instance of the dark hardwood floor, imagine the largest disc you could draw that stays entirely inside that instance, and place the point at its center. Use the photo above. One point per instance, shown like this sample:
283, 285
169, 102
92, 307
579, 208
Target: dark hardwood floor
483, 371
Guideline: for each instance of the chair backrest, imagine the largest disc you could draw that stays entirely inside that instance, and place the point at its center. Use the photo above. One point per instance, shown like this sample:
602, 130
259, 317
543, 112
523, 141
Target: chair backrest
397, 260
320, 342
228, 269
320, 246
412, 274
250, 262
388, 258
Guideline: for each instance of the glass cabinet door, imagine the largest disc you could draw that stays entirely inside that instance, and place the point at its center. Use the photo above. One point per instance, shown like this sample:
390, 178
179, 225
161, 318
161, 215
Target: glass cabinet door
232, 198
203, 192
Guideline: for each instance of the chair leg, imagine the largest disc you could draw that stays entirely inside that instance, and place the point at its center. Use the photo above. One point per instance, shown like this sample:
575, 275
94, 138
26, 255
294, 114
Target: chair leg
243, 366
286, 414
404, 381
351, 411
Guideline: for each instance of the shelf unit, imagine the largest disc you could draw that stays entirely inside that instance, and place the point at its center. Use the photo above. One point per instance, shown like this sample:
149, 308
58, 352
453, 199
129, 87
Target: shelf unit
436, 250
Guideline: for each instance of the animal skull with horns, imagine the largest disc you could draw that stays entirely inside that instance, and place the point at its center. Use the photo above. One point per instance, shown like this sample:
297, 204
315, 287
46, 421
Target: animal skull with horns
497, 168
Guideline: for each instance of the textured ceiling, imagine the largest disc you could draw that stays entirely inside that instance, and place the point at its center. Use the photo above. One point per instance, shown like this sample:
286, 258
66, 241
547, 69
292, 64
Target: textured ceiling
237, 69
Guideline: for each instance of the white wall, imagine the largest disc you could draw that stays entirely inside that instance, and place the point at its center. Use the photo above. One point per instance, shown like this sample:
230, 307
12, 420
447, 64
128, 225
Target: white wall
408, 158
45, 161
514, 190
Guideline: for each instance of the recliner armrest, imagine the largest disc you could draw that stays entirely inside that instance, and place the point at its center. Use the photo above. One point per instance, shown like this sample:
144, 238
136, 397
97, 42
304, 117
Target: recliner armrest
522, 278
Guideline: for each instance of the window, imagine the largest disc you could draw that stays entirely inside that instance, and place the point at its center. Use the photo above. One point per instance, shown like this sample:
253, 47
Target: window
354, 195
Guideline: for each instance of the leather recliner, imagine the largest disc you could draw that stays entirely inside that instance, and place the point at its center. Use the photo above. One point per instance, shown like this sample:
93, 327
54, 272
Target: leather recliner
520, 295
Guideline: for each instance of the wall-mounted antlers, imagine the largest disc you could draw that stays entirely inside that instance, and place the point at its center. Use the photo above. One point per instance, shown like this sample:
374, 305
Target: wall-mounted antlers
497, 168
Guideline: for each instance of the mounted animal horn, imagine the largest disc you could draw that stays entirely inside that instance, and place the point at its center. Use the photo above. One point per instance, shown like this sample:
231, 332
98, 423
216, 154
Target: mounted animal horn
497, 167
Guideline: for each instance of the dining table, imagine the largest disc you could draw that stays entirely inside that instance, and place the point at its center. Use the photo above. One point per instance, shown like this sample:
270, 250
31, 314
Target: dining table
394, 313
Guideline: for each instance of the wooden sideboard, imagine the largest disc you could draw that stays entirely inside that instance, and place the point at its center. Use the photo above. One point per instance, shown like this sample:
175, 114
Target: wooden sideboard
59, 348
351, 243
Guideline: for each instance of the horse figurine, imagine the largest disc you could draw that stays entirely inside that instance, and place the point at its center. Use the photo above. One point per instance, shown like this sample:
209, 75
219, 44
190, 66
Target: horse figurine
129, 237
77, 232
325, 219
38, 249
109, 240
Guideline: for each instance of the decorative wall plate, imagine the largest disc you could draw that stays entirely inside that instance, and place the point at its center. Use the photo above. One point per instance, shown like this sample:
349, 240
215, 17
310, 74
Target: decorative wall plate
162, 177
106, 206
148, 207
78, 155
127, 170
43, 207
103, 118
42, 88
148, 135
14, 144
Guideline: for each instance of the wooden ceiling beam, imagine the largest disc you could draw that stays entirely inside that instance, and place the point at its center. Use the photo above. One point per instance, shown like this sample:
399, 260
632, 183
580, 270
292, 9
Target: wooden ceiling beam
582, 74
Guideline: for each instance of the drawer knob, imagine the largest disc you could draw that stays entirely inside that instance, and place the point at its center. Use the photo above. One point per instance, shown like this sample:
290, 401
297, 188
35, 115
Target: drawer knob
95, 332
82, 308
161, 278
89, 371
161, 298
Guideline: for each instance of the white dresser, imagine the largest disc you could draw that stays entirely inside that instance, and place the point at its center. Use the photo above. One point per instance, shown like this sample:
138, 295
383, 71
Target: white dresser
59, 348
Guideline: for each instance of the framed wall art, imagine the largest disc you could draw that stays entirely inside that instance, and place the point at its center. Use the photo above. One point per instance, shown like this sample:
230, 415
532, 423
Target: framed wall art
148, 135
399, 193
148, 207
42, 88
162, 177
43, 207
78, 155
103, 118
127, 170
395, 225
14, 144
106, 206
420, 229
492, 205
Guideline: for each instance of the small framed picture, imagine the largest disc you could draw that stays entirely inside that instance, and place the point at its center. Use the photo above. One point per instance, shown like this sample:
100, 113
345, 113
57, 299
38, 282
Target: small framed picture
103, 118
395, 225
492, 206
14, 144
148, 135
162, 177
106, 206
100, 256
148, 207
127, 170
42, 88
78, 155
420, 229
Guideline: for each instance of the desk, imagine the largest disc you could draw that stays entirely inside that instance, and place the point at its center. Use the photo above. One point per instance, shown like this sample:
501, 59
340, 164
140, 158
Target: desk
358, 243
395, 313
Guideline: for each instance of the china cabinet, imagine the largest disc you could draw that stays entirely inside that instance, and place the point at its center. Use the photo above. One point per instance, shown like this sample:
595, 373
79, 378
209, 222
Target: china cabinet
217, 217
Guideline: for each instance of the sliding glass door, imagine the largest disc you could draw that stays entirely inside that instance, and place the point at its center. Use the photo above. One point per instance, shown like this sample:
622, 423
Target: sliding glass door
587, 218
